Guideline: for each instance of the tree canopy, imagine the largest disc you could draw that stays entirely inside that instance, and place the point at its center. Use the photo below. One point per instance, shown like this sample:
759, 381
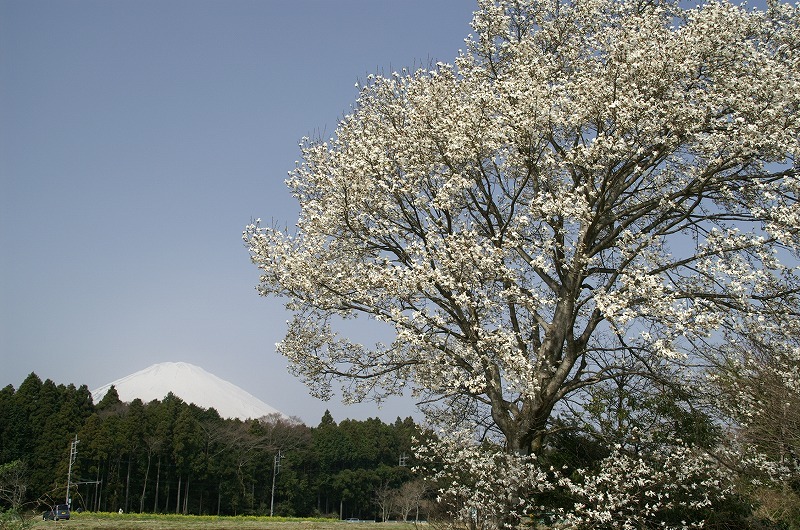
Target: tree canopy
593, 191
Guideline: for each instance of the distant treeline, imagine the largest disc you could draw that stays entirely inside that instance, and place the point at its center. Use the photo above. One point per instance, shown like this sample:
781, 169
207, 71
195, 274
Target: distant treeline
170, 456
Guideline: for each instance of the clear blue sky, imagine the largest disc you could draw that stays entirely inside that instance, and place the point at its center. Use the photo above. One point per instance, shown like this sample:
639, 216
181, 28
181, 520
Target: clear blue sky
138, 138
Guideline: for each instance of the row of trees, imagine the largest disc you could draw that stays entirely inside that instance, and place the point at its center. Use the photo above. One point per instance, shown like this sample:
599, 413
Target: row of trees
170, 456
588, 223
652, 453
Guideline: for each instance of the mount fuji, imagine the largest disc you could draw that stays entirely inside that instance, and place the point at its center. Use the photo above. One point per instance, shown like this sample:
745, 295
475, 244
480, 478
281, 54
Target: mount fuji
193, 385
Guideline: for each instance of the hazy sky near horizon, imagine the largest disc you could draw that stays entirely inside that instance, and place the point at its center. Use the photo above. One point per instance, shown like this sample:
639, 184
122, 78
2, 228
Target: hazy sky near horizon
138, 138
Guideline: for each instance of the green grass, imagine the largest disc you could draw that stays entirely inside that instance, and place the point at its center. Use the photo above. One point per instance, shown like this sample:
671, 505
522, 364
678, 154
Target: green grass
101, 521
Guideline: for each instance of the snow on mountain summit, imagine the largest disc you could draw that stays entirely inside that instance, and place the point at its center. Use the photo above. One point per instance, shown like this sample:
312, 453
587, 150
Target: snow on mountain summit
193, 385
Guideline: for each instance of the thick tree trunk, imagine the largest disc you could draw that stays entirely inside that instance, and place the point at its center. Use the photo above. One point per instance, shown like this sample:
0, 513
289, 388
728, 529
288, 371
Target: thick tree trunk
524, 429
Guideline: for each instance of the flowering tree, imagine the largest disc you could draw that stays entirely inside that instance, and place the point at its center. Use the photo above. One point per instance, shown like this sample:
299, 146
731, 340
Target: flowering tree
757, 387
485, 488
675, 489
592, 188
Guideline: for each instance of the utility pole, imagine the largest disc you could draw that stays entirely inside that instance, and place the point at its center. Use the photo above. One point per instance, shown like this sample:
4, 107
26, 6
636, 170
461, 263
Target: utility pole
276, 468
73, 452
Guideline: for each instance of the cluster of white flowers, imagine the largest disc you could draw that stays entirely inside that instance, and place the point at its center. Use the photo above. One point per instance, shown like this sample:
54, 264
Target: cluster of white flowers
757, 386
667, 484
673, 487
484, 487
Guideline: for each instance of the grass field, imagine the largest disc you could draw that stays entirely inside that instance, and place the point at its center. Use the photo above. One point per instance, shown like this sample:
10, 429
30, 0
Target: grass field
102, 521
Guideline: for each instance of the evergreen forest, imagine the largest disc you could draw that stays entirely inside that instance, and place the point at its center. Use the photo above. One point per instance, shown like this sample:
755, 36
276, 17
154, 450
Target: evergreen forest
168, 456
172, 457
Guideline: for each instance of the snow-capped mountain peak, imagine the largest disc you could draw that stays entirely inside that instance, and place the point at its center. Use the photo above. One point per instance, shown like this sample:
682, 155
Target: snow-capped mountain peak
193, 385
